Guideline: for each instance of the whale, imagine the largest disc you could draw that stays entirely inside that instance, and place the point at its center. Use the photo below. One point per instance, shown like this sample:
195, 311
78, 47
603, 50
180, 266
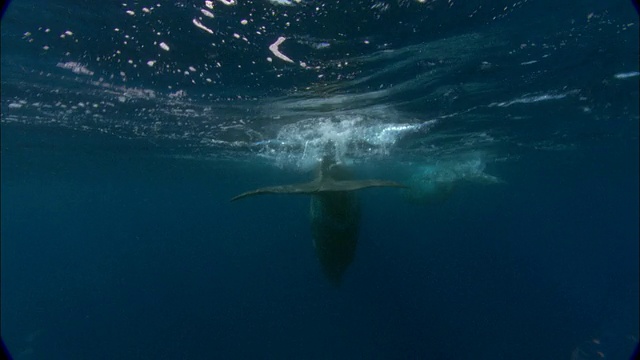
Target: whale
334, 212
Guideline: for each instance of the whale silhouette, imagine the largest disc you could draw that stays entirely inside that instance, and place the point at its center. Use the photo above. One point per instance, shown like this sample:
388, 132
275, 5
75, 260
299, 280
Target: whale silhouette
335, 213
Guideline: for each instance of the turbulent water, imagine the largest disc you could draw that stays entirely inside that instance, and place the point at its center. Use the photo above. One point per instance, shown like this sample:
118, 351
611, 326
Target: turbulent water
127, 126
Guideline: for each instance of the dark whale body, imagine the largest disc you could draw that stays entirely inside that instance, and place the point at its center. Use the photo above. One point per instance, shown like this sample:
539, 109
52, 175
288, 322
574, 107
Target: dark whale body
335, 213
335, 216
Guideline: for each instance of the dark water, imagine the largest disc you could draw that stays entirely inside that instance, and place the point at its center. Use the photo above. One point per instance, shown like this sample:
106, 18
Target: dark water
514, 124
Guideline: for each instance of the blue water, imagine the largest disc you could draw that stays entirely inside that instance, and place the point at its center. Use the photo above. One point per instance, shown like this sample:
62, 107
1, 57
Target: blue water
514, 124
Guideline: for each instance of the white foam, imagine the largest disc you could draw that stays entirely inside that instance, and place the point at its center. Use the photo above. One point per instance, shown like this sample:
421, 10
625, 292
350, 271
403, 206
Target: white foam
528, 99
344, 137
199, 25
75, 67
435, 181
627, 75
274, 49
207, 13
284, 2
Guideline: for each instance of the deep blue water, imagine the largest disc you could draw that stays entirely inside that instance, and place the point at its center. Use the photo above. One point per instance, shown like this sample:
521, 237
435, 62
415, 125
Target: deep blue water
515, 125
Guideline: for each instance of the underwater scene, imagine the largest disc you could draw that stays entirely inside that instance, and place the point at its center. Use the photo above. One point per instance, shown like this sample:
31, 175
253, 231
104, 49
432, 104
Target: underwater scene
306, 179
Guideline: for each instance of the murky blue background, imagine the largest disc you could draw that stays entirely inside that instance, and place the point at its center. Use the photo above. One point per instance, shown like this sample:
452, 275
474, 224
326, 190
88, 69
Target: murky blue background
514, 123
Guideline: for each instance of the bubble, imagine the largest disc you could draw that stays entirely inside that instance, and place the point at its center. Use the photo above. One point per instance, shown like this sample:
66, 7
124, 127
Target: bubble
437, 181
344, 137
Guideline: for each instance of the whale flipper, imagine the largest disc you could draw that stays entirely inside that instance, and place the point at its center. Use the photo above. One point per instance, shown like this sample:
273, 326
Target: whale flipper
316, 186
352, 185
305, 188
